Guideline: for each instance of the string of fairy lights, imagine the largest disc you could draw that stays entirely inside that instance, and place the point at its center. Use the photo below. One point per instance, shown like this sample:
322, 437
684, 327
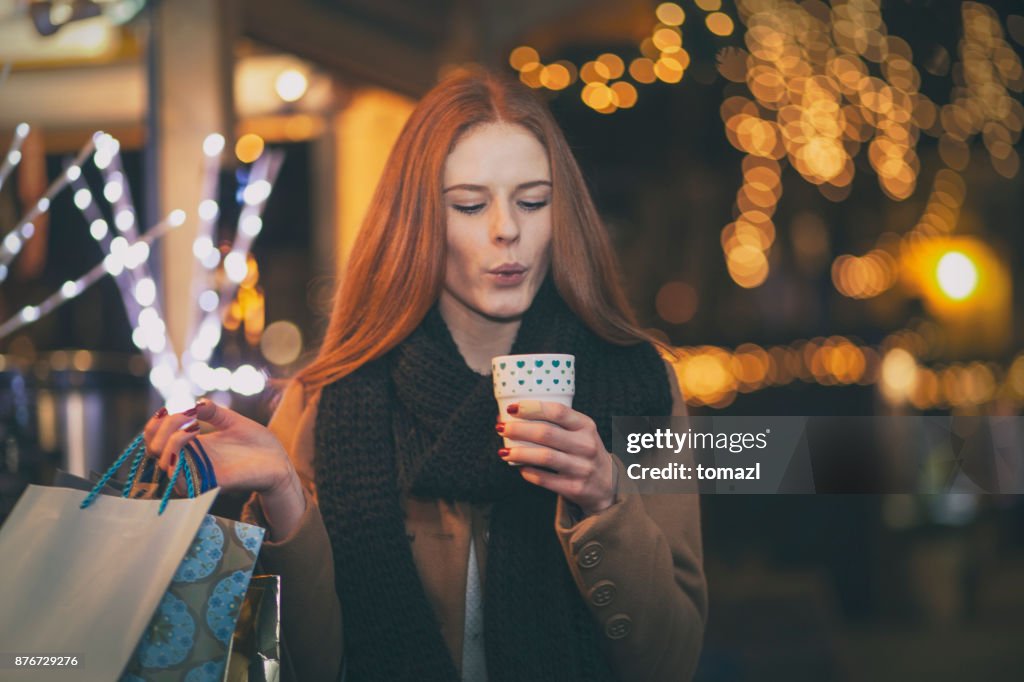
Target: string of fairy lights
821, 84
714, 376
215, 280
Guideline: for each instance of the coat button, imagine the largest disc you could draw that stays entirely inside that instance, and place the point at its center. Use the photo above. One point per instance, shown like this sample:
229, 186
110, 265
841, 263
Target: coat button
590, 555
618, 626
602, 593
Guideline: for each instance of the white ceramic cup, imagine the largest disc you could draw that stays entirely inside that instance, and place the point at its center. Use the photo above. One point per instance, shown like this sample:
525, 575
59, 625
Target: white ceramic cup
536, 376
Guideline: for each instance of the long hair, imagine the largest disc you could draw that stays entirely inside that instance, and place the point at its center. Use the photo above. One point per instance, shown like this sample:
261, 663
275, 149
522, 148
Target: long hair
397, 265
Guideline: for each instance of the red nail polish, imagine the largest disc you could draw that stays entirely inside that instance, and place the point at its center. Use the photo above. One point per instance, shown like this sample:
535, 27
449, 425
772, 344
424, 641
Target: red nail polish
192, 429
504, 452
499, 427
174, 461
161, 413
191, 412
513, 408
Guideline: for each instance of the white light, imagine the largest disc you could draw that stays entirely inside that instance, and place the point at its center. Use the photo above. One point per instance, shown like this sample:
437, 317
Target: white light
44, 205
30, 313
3, 272
202, 375
83, 198
211, 259
98, 229
213, 144
14, 157
957, 275
247, 380
206, 339
137, 255
27, 230
291, 85
235, 266
139, 338
200, 352
12, 242
180, 396
145, 291
73, 173
22, 130
176, 218
113, 191
69, 289
149, 317
201, 247
124, 220
119, 247
113, 265
106, 148
251, 225
222, 378
209, 300
256, 192
157, 343
208, 209
161, 376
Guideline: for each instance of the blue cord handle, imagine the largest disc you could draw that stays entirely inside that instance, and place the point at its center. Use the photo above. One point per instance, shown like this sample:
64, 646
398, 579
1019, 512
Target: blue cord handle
138, 447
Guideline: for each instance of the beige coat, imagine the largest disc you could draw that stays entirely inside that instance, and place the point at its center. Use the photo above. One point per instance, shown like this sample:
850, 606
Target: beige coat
638, 566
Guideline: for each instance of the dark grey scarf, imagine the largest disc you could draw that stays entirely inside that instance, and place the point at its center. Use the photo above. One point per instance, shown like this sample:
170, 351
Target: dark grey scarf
420, 422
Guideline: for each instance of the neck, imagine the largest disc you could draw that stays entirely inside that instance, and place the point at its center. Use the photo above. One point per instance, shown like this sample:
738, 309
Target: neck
477, 337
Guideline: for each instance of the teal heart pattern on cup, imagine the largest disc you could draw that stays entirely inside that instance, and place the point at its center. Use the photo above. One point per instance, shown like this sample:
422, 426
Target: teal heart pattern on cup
534, 375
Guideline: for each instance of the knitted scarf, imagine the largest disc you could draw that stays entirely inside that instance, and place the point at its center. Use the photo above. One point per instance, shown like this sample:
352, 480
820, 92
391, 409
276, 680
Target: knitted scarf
419, 422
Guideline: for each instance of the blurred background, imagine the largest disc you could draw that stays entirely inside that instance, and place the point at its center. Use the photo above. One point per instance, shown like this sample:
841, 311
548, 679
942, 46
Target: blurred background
819, 204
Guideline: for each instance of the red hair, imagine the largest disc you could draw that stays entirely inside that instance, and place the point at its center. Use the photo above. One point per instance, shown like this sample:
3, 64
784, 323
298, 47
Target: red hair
397, 265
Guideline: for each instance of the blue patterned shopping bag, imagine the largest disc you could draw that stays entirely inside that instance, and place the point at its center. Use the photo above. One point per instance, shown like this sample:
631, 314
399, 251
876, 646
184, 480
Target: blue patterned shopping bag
188, 637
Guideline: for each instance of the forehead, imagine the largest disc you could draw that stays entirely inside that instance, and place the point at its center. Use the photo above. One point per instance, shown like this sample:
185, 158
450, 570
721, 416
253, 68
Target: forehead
497, 154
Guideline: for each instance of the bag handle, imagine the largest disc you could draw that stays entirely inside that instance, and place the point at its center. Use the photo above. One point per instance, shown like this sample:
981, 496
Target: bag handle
138, 447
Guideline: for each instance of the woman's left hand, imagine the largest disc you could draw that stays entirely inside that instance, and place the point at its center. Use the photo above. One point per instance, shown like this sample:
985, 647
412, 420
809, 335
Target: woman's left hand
565, 441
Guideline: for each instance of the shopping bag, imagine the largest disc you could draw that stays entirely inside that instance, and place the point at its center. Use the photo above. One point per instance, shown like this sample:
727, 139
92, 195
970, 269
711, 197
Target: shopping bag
189, 637
85, 582
256, 646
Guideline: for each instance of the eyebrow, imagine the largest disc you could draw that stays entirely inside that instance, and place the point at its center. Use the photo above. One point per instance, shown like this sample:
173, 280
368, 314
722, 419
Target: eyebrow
482, 188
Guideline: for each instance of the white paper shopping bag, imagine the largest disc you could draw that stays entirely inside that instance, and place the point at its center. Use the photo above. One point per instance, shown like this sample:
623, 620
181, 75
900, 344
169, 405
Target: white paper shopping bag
85, 582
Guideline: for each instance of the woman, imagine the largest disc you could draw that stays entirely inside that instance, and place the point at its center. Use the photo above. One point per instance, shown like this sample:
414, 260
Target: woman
382, 477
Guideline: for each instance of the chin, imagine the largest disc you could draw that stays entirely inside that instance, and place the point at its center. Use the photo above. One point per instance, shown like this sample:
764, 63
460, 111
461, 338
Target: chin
505, 306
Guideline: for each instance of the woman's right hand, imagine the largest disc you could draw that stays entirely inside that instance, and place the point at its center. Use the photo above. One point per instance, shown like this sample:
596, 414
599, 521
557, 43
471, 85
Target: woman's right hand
246, 457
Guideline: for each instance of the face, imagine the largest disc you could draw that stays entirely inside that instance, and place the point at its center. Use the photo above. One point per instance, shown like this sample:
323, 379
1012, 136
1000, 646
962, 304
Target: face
497, 198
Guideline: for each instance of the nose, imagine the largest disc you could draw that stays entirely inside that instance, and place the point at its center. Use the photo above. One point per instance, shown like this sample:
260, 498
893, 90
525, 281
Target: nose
504, 228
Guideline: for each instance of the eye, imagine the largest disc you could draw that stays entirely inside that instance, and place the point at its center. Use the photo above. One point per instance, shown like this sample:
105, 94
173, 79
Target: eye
533, 205
468, 209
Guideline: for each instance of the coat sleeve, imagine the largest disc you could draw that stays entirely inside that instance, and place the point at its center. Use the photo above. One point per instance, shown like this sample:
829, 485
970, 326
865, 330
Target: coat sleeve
311, 622
639, 568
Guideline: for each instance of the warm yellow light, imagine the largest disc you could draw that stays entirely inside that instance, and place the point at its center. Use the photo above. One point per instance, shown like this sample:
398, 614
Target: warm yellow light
291, 85
709, 5
249, 147
957, 275
522, 57
670, 14
720, 24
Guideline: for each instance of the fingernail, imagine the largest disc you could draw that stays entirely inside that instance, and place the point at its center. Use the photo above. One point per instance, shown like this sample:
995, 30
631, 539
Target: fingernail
499, 427
161, 413
513, 408
174, 461
192, 429
200, 403
191, 412
504, 452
